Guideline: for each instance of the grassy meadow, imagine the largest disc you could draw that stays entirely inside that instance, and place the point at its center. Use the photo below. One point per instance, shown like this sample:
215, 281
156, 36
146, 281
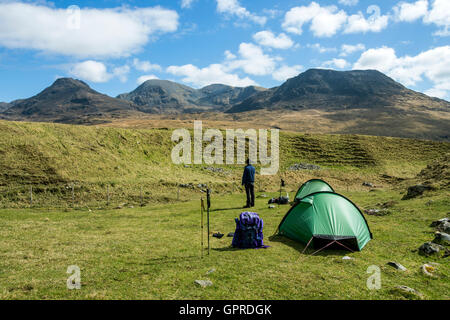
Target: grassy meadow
150, 247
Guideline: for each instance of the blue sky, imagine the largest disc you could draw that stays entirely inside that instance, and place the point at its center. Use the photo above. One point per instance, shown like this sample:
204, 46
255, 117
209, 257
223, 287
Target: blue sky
115, 45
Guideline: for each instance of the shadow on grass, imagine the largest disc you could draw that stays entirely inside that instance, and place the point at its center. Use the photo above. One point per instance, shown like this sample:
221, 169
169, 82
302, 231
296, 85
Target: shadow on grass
225, 209
300, 247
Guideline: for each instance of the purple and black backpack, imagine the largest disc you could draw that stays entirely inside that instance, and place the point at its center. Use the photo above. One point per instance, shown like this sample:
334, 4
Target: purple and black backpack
249, 231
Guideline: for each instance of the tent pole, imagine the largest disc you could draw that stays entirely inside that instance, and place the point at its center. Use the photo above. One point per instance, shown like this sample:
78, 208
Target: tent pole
324, 247
344, 246
307, 244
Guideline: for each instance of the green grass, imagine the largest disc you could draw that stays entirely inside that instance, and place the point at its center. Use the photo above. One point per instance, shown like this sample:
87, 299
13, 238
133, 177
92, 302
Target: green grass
51, 158
154, 253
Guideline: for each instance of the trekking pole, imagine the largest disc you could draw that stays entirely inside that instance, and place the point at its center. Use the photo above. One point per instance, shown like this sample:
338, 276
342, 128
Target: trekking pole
202, 207
208, 205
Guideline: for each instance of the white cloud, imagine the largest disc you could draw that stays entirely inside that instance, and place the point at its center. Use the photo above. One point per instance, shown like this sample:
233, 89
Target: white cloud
145, 65
318, 47
268, 39
232, 7
96, 71
145, 77
100, 33
186, 3
121, 73
91, 71
229, 55
285, 72
440, 16
214, 73
253, 60
336, 63
347, 49
325, 21
375, 23
405, 11
433, 64
349, 2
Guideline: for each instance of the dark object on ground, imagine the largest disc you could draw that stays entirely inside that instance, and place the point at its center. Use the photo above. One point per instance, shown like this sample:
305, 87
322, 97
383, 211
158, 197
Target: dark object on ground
303, 166
396, 265
249, 231
417, 190
218, 235
368, 184
280, 200
430, 248
442, 225
231, 234
442, 238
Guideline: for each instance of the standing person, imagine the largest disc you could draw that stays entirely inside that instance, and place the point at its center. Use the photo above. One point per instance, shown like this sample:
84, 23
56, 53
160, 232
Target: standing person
248, 180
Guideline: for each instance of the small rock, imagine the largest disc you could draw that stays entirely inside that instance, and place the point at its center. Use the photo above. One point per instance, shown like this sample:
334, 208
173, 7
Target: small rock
347, 258
415, 191
441, 238
377, 212
396, 265
303, 166
211, 271
445, 227
204, 283
430, 248
271, 206
428, 269
368, 184
408, 292
218, 235
439, 222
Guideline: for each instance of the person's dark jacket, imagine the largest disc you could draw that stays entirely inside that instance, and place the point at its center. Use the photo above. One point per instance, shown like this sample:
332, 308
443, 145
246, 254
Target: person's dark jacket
249, 174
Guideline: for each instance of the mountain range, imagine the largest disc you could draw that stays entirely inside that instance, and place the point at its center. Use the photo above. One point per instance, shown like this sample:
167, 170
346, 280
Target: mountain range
336, 95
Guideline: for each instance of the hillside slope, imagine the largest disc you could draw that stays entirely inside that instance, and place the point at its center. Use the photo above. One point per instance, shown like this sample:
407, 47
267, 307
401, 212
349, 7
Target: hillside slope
167, 97
52, 157
69, 101
330, 90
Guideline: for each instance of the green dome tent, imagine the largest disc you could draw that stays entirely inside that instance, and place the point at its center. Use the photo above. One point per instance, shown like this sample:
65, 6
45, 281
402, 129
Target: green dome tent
311, 186
326, 219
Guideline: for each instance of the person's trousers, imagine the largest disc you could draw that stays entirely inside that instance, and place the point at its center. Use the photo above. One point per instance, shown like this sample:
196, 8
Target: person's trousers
250, 191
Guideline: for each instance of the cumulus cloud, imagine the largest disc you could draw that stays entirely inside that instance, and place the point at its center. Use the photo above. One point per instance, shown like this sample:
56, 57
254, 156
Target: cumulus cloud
91, 71
268, 39
214, 73
285, 72
145, 65
145, 77
433, 64
347, 49
232, 7
95, 71
253, 60
357, 23
440, 16
405, 11
336, 63
325, 21
82, 33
